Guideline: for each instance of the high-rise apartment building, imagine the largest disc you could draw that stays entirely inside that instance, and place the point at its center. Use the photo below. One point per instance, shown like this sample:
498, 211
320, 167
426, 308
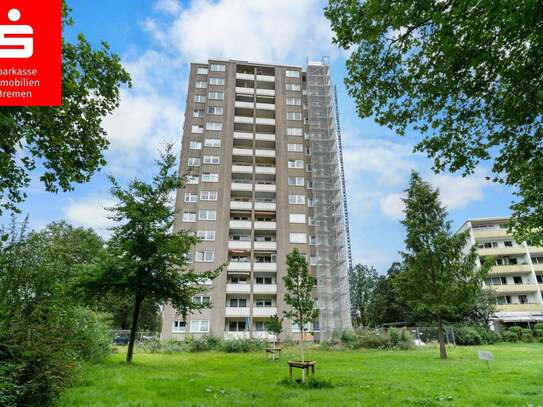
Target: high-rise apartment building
263, 154
516, 277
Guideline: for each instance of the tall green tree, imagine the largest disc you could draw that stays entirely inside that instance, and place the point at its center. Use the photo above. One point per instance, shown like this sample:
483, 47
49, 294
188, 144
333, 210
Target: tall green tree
66, 142
145, 258
385, 306
441, 281
362, 283
299, 296
466, 74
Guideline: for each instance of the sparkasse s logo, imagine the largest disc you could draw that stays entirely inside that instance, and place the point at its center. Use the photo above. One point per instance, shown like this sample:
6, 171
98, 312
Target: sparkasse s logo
30, 53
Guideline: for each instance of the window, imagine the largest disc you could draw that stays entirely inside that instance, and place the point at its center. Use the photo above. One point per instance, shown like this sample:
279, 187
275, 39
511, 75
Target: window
212, 159
197, 129
208, 195
294, 116
296, 217
191, 197
238, 302
523, 299
508, 243
236, 326
517, 280
189, 217
295, 163
201, 299
264, 280
312, 240
195, 145
238, 279
199, 98
207, 214
198, 113
216, 81
296, 199
192, 180
260, 326
212, 142
189, 257
217, 68
201, 71
215, 110
294, 131
296, 327
539, 279
199, 326
503, 300
296, 181
193, 162
264, 303
292, 74
216, 95
296, 148
178, 326
214, 126
201, 84
210, 177
205, 256
206, 235
298, 238
294, 101
293, 86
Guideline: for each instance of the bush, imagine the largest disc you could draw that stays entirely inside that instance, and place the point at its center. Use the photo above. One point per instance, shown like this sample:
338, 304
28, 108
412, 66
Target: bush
243, 345
203, 343
526, 335
349, 338
509, 336
538, 332
373, 340
468, 335
539, 325
9, 384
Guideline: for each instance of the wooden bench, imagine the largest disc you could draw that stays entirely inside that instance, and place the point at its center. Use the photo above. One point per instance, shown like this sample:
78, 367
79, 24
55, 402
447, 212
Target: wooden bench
273, 352
301, 365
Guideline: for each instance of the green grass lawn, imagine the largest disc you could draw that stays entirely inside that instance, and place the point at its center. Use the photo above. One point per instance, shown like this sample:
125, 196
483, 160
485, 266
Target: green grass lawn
358, 378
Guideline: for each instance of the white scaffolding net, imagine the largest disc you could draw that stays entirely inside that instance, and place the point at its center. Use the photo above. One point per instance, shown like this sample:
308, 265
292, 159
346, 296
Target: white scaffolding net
330, 210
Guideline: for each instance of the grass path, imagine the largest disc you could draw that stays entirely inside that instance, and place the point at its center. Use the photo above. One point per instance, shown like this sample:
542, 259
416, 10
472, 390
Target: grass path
358, 378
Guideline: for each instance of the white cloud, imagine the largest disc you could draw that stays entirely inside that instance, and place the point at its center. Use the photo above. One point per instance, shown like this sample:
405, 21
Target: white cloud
256, 30
392, 205
90, 212
457, 192
168, 6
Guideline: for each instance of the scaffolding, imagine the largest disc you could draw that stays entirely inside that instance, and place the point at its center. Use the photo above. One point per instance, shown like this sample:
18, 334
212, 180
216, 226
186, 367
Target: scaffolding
332, 250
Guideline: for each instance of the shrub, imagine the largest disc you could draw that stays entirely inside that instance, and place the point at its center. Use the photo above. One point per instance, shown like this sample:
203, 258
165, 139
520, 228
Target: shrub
468, 335
489, 337
517, 330
9, 384
538, 332
539, 325
509, 336
349, 338
203, 343
243, 345
526, 335
373, 340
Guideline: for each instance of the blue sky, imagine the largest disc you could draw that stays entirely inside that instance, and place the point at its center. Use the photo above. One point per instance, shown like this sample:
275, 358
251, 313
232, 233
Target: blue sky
157, 39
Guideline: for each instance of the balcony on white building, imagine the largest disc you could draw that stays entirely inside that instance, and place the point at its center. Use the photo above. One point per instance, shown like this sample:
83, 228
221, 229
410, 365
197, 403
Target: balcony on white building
261, 225
265, 106
241, 186
239, 245
265, 92
244, 151
265, 78
245, 105
265, 288
265, 137
261, 152
243, 119
265, 187
265, 120
241, 205
245, 169
265, 206
239, 266
265, 266
249, 91
240, 135
264, 312
265, 245
238, 288
264, 170
246, 76
240, 224
237, 312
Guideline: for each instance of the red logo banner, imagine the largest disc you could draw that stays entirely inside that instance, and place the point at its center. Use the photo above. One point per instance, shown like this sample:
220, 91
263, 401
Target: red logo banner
30, 53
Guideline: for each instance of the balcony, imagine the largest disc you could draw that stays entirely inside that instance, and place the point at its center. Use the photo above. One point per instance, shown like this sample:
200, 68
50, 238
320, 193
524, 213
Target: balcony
239, 245
265, 187
241, 186
501, 251
246, 76
265, 120
265, 137
245, 105
265, 106
265, 288
243, 119
240, 224
265, 92
515, 288
237, 312
538, 267
265, 266
260, 152
519, 307
265, 245
249, 91
264, 170
239, 266
265, 78
243, 151
490, 233
245, 169
241, 205
238, 288
264, 312
265, 206
238, 135
510, 269
265, 225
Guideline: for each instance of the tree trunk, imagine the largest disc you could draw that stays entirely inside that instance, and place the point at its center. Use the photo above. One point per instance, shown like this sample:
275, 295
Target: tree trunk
133, 329
302, 351
441, 339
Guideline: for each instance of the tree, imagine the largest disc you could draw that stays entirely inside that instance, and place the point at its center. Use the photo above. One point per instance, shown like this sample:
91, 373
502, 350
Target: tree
275, 326
467, 75
362, 282
385, 305
67, 141
145, 258
299, 296
484, 308
441, 281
